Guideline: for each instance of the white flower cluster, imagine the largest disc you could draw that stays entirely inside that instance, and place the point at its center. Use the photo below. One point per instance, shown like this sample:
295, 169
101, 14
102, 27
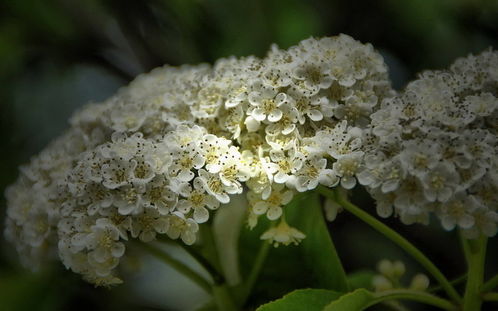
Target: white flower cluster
433, 148
177, 142
33, 210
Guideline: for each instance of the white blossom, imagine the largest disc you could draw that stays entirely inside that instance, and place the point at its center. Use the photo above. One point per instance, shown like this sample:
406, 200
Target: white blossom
283, 234
432, 148
163, 153
272, 206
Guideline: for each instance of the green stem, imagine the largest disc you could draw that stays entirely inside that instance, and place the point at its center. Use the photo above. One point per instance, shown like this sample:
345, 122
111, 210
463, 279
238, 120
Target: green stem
395, 305
201, 260
490, 297
475, 253
222, 295
210, 241
215, 274
177, 265
256, 269
396, 238
453, 282
223, 298
413, 296
490, 284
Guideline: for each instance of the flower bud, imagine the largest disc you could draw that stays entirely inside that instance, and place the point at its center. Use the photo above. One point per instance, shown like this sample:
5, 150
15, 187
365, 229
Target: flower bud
381, 283
420, 282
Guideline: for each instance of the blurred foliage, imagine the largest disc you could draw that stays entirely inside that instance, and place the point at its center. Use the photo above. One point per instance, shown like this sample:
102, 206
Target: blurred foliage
55, 55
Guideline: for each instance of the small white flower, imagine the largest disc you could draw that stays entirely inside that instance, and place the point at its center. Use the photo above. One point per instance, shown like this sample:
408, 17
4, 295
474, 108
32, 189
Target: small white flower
125, 117
419, 157
281, 141
276, 77
117, 173
440, 183
232, 171
232, 120
312, 77
122, 147
483, 104
346, 167
39, 229
263, 178
181, 227
312, 173
197, 200
146, 225
457, 211
128, 200
212, 148
158, 194
143, 172
485, 222
99, 197
183, 163
287, 164
384, 202
283, 234
356, 109
103, 241
213, 184
237, 95
307, 107
339, 141
265, 103
410, 195
272, 206
287, 123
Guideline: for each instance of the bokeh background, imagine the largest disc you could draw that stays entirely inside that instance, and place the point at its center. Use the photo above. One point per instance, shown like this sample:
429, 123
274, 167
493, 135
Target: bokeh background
56, 55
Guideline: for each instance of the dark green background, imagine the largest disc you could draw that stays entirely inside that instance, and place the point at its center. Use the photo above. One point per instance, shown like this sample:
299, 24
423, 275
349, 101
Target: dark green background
56, 55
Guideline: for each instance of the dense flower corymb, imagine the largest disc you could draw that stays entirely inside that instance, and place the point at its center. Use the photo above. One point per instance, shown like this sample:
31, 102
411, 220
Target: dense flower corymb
176, 143
433, 148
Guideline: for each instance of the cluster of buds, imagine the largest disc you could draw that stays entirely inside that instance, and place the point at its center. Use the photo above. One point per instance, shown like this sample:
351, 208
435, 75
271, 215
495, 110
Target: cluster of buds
390, 274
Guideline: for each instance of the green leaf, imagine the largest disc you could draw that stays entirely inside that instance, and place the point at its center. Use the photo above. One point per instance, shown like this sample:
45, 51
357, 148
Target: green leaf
278, 275
301, 299
354, 301
318, 250
361, 299
283, 271
316, 258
